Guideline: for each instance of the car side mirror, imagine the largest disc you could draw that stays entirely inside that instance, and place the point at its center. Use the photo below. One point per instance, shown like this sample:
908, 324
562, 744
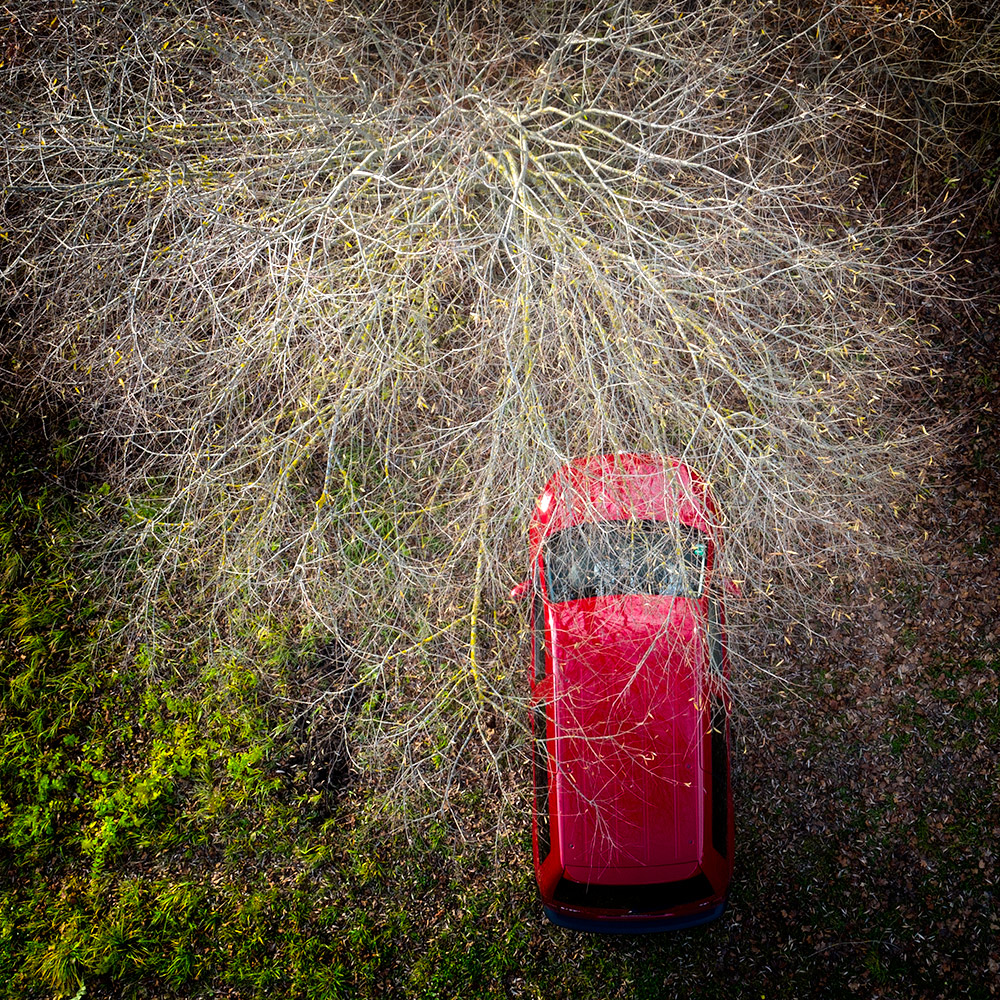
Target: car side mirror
732, 587
520, 591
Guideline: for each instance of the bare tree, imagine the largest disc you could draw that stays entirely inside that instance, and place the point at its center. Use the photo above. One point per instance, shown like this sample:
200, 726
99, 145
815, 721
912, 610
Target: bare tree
334, 293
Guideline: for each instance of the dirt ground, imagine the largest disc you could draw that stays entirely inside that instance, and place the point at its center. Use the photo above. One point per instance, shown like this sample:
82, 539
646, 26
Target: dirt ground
883, 753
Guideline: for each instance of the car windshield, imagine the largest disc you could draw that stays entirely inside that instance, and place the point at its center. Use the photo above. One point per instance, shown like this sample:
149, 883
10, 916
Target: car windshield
665, 558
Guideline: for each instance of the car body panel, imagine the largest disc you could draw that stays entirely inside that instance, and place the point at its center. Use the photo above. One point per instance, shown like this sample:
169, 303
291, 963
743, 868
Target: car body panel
620, 488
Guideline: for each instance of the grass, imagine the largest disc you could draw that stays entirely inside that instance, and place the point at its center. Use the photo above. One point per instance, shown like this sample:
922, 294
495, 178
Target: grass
126, 776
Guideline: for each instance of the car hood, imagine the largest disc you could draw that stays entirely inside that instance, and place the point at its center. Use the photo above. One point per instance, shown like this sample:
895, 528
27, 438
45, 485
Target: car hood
630, 713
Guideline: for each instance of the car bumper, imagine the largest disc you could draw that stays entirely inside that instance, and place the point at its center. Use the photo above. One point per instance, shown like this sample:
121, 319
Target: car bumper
635, 924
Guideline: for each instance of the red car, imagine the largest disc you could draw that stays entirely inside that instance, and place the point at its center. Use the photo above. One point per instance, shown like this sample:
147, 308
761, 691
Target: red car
633, 816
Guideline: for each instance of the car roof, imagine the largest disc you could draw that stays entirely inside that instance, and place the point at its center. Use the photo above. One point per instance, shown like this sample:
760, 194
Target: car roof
629, 719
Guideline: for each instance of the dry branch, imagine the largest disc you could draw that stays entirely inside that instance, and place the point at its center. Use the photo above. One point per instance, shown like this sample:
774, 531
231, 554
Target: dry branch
336, 291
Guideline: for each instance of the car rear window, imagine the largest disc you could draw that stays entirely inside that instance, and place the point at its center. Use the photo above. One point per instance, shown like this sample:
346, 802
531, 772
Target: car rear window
646, 898
601, 559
